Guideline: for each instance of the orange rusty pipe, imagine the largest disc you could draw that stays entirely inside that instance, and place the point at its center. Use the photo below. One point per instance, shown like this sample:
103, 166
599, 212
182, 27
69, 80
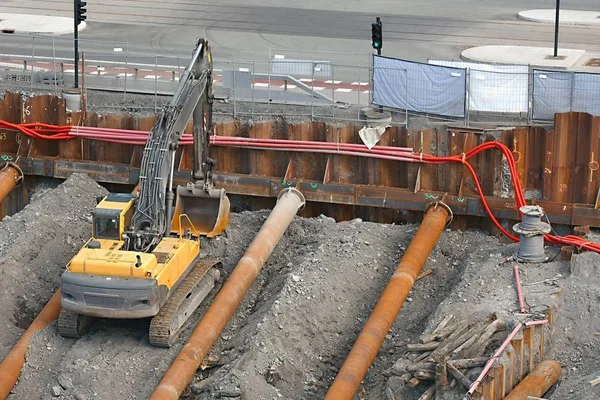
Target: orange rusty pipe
10, 368
369, 341
181, 372
10, 176
538, 382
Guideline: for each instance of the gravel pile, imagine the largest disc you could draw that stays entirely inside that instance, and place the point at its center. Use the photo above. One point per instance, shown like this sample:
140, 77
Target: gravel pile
35, 246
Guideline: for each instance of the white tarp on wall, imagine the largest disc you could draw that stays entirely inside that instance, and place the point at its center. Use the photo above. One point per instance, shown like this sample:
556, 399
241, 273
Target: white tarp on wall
419, 87
556, 91
552, 93
495, 88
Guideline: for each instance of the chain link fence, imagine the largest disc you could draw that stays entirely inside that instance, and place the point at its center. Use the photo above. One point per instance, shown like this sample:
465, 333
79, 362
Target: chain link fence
304, 84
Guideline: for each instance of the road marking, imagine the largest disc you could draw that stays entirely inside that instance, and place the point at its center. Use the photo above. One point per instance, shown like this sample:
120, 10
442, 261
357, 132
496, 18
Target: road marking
122, 75
305, 80
343, 90
318, 88
334, 82
69, 71
359, 83
366, 92
288, 86
97, 73
260, 84
151, 77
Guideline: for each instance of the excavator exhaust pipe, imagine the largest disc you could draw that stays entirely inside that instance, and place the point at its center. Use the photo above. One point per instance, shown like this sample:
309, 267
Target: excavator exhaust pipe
206, 210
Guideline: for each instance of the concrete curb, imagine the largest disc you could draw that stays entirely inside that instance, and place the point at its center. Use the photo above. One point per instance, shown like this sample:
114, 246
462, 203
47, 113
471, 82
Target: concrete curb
567, 17
37, 24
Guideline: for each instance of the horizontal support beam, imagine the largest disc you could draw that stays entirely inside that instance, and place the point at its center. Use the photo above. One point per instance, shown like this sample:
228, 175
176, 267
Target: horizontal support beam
314, 191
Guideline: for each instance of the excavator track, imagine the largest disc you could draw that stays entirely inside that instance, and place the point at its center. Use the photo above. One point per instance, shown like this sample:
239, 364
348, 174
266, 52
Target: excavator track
73, 325
171, 319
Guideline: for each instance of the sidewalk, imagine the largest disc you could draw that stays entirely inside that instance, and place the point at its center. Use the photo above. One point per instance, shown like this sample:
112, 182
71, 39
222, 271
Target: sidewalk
567, 17
523, 55
40, 24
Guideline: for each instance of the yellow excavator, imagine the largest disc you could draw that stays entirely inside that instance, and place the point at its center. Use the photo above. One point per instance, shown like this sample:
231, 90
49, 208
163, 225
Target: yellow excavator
143, 260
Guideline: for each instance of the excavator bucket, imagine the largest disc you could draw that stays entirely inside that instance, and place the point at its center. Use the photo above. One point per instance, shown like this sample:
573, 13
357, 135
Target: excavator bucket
204, 213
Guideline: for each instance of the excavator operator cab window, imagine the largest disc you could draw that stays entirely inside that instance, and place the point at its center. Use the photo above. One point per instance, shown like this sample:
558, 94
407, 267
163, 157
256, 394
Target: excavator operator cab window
106, 225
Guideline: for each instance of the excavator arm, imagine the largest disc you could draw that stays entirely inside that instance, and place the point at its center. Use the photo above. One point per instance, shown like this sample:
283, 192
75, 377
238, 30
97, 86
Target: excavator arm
153, 214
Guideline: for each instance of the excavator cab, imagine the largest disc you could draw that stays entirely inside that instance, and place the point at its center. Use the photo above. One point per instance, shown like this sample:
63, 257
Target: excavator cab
203, 211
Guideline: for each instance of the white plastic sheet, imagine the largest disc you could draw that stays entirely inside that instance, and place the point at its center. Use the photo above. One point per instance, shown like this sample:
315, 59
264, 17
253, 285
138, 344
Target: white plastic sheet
495, 88
419, 87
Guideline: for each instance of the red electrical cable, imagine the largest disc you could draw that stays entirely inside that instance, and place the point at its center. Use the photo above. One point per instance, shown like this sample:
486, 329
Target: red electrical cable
122, 136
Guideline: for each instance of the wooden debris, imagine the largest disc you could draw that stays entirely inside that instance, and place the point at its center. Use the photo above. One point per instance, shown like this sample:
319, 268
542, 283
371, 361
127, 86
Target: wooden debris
441, 380
596, 334
430, 366
442, 333
422, 356
407, 377
447, 353
485, 339
428, 395
595, 381
469, 362
451, 343
422, 347
426, 375
444, 323
459, 376
413, 382
424, 274
460, 351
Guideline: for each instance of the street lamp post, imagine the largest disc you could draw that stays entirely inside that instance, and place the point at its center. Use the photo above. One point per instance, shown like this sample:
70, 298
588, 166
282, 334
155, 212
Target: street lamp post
556, 28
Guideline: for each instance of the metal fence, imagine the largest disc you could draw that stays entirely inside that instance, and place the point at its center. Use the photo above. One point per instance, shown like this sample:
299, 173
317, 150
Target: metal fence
305, 84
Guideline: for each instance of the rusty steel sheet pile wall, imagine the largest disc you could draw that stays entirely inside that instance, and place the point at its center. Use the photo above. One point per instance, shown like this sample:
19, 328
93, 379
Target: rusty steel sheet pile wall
558, 164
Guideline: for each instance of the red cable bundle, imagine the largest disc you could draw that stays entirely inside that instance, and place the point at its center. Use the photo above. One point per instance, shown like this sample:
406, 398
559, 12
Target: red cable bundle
51, 132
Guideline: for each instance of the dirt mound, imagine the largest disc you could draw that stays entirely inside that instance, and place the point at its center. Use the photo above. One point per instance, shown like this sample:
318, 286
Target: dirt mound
576, 345
35, 245
296, 325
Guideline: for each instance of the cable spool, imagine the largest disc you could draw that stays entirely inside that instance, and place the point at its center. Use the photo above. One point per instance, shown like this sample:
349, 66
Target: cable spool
532, 231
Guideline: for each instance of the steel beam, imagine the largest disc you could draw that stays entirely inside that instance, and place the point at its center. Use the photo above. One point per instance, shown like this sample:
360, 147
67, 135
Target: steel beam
317, 191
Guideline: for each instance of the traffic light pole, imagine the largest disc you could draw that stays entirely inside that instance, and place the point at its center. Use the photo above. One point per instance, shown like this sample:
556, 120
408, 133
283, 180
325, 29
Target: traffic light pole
556, 23
379, 49
76, 42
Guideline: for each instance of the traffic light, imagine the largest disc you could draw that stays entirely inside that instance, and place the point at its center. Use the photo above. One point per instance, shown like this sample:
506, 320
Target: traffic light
377, 34
80, 11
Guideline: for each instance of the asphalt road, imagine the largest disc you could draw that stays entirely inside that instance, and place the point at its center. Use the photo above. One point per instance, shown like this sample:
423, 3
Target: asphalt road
335, 30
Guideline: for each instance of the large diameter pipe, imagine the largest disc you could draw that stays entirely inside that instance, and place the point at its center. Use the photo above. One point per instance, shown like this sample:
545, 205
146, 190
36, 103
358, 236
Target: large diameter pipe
181, 372
538, 382
10, 368
10, 176
387, 308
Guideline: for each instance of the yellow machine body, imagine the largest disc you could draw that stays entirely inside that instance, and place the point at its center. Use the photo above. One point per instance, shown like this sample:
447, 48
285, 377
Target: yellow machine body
98, 277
